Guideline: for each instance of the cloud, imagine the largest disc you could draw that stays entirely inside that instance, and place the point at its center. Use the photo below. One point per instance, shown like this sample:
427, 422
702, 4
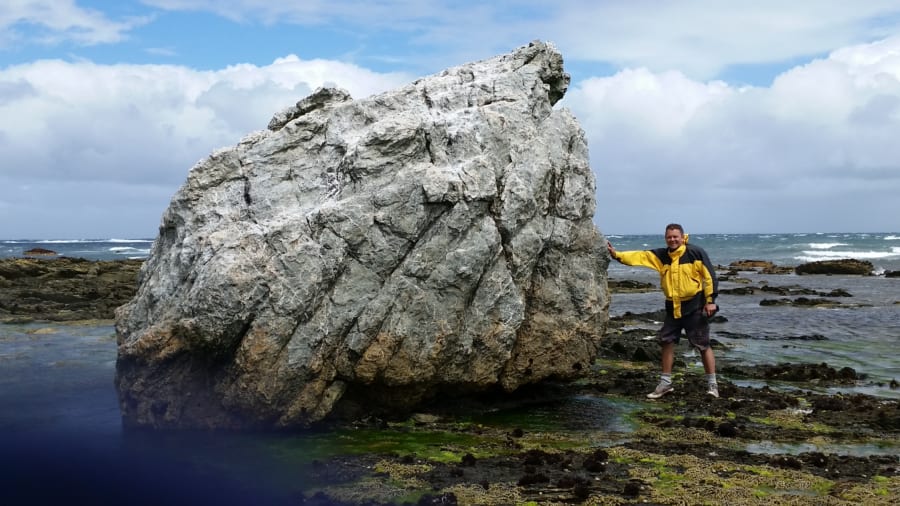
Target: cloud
80, 210
821, 131
55, 21
148, 123
669, 142
162, 51
700, 38
80, 133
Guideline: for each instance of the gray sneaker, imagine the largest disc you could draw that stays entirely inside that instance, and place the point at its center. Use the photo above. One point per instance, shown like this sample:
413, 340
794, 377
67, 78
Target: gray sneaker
713, 390
661, 390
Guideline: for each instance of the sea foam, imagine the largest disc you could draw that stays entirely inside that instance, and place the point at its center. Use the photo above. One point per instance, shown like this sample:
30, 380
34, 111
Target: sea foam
826, 245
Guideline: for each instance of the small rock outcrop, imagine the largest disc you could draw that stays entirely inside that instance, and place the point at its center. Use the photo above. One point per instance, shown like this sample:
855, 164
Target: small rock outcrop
746, 265
844, 266
366, 255
40, 252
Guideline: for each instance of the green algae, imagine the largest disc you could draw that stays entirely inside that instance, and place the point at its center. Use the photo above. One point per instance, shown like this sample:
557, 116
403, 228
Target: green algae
436, 445
665, 478
682, 479
792, 419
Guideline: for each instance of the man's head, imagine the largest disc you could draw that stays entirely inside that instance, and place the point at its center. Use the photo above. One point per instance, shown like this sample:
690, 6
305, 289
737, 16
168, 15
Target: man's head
674, 236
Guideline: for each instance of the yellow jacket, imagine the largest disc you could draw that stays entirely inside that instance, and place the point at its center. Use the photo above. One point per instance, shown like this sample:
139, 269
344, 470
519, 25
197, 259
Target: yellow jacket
686, 275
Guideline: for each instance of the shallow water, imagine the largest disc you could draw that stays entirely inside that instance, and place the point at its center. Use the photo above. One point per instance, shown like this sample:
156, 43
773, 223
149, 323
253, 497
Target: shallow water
577, 414
862, 332
849, 449
60, 423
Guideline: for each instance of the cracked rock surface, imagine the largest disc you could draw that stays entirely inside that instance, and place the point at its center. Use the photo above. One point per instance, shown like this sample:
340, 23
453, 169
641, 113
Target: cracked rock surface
366, 255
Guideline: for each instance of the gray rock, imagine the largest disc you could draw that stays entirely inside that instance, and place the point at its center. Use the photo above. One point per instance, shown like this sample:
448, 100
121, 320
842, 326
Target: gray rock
371, 254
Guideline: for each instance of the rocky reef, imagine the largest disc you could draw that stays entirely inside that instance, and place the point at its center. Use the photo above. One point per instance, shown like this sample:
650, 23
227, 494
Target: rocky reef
64, 289
367, 255
843, 266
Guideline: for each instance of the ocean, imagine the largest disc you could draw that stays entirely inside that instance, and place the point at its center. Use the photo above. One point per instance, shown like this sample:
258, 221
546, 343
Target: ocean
92, 249
882, 249
60, 423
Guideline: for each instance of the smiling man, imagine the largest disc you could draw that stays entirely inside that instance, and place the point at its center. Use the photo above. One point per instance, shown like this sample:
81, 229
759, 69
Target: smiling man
689, 283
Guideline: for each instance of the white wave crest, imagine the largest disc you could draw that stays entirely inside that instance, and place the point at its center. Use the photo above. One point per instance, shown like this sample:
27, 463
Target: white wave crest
814, 256
826, 245
83, 241
128, 250
892, 238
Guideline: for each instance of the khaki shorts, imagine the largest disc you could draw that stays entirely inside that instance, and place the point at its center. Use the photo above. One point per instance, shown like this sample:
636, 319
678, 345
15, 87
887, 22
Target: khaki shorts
695, 326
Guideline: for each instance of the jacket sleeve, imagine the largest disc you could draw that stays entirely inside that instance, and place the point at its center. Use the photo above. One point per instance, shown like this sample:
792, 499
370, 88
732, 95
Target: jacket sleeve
639, 259
710, 280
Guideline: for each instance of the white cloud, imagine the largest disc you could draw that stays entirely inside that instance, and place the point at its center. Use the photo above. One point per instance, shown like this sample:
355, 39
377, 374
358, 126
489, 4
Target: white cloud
699, 38
148, 122
667, 142
80, 134
162, 51
54, 21
821, 132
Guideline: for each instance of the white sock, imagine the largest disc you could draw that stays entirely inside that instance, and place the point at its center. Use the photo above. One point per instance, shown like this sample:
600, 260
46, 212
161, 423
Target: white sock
711, 379
665, 379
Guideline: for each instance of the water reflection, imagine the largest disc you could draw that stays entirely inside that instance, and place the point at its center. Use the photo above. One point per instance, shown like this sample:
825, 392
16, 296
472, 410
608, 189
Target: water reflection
844, 449
580, 413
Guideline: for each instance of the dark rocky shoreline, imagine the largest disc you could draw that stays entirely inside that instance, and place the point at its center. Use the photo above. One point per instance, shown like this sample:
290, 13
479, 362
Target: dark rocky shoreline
64, 288
686, 448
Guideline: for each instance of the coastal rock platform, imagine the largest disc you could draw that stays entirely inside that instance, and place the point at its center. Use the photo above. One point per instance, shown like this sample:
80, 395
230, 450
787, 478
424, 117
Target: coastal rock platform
64, 289
751, 446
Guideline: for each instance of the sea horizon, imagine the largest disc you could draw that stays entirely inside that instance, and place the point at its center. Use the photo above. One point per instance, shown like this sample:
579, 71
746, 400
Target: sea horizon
783, 249
139, 238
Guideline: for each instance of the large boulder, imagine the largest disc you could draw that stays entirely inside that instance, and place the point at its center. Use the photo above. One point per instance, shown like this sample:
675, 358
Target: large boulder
367, 255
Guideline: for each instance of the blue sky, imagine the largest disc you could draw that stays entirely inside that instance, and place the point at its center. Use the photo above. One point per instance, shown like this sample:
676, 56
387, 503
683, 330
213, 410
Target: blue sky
726, 116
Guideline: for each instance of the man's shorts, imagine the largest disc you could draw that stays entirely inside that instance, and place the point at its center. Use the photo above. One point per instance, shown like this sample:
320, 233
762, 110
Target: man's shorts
695, 325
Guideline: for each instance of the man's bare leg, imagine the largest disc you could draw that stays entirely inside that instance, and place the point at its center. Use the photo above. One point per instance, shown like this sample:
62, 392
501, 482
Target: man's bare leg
709, 361
709, 365
668, 357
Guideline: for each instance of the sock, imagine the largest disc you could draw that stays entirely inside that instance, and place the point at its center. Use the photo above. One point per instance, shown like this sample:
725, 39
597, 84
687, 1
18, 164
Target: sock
665, 378
711, 379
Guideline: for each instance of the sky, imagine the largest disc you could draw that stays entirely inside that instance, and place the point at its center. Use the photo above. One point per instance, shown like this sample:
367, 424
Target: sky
722, 115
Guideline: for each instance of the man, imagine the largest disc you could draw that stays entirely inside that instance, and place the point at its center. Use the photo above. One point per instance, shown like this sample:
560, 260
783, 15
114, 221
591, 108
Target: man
689, 283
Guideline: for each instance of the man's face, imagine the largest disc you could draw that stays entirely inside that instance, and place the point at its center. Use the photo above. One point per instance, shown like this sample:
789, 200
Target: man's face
674, 239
